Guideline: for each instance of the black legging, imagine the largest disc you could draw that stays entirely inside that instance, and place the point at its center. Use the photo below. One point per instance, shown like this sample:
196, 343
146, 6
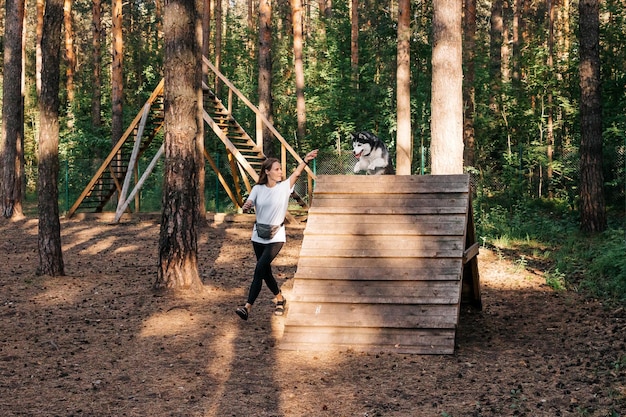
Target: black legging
265, 254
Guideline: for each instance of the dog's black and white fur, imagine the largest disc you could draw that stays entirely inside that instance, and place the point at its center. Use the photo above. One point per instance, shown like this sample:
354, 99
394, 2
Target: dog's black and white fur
372, 154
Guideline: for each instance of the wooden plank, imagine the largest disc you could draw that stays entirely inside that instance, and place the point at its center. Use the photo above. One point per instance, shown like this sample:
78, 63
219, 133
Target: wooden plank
452, 225
373, 315
375, 292
358, 273
381, 184
470, 252
369, 340
396, 265
360, 202
405, 219
384, 211
392, 197
396, 269
382, 246
338, 242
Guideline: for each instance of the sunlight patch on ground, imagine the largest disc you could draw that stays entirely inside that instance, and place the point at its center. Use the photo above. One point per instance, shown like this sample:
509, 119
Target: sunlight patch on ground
59, 291
80, 235
175, 321
221, 369
499, 274
128, 248
32, 226
240, 232
99, 246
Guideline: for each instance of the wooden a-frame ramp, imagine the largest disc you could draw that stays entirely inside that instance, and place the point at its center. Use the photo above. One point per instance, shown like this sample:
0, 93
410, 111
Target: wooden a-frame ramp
384, 266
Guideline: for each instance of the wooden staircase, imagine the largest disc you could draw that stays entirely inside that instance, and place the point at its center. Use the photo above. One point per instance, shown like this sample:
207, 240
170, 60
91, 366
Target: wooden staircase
120, 168
110, 175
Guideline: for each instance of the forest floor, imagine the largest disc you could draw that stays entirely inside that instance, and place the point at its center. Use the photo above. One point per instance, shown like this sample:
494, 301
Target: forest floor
100, 342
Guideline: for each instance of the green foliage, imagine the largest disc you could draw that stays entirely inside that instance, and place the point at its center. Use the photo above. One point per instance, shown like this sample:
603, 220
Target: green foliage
555, 279
605, 274
548, 231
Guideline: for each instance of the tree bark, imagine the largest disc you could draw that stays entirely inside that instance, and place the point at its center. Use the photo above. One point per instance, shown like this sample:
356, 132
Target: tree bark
178, 241
469, 89
49, 235
265, 76
217, 58
200, 10
447, 89
354, 42
296, 7
250, 25
495, 51
70, 55
404, 140
117, 73
326, 9
96, 97
40, 6
550, 99
12, 145
505, 50
592, 202
206, 28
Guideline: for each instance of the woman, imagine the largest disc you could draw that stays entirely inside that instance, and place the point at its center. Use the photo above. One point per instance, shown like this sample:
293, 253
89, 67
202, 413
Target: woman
270, 198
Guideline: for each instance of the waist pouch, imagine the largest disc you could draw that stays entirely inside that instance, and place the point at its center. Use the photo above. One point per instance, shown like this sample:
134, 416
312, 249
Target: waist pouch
267, 231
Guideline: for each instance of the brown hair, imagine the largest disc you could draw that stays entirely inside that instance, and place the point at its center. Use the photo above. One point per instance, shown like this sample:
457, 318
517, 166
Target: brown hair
266, 166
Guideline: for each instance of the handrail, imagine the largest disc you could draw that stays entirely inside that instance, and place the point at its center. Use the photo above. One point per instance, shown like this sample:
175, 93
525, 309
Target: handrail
262, 117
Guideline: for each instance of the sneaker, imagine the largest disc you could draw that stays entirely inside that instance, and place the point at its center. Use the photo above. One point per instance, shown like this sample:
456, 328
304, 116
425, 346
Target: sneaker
242, 312
280, 307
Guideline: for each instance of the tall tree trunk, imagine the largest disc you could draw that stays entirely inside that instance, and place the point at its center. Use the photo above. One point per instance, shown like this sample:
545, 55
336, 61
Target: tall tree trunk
96, 95
70, 59
158, 12
200, 7
447, 89
592, 203
265, 76
296, 7
41, 4
550, 109
326, 9
117, 73
178, 241
495, 52
354, 42
49, 235
505, 51
12, 145
516, 45
404, 140
217, 59
206, 29
250, 25
469, 90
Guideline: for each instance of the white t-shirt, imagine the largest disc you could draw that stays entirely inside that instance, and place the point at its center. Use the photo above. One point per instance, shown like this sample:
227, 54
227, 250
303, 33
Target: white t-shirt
271, 204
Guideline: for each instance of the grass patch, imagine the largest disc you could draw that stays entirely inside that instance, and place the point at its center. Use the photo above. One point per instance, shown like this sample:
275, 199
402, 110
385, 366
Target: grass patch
547, 237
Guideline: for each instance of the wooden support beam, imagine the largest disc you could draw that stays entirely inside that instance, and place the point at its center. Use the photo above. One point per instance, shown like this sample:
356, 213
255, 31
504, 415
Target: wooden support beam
470, 253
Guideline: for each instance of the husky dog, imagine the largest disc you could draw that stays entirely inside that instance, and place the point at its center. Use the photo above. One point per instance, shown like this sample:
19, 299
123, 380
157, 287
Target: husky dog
372, 154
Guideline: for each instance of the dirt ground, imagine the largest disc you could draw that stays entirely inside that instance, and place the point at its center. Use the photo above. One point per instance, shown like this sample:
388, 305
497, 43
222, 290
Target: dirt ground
100, 342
